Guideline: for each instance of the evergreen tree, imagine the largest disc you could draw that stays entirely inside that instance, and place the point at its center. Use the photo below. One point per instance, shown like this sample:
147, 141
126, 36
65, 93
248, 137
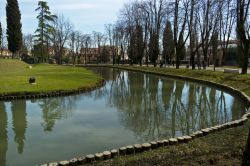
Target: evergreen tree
168, 43
131, 48
139, 45
183, 49
14, 26
1, 34
153, 48
214, 40
45, 18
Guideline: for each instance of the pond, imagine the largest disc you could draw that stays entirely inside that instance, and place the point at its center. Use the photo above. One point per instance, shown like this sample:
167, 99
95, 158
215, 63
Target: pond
131, 108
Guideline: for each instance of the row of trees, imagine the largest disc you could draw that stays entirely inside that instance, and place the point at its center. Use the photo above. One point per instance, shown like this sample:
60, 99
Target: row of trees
54, 36
144, 29
147, 27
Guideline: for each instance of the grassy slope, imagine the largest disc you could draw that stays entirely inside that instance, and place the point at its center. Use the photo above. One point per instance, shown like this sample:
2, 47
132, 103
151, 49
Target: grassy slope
223, 148
14, 77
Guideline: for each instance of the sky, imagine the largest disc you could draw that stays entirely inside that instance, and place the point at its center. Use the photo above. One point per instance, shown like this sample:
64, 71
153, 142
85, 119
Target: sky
85, 15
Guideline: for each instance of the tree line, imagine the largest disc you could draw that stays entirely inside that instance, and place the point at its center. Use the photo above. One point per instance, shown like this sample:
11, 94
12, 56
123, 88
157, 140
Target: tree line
169, 27
144, 30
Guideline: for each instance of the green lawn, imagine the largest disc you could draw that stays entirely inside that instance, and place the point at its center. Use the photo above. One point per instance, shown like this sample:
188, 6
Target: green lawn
14, 76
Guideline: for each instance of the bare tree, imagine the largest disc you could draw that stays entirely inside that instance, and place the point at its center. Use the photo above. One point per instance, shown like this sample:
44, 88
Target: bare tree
111, 34
243, 31
28, 42
62, 30
85, 45
180, 22
227, 18
97, 39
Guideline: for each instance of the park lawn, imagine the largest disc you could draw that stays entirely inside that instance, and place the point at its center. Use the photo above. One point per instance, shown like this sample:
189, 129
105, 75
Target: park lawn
14, 76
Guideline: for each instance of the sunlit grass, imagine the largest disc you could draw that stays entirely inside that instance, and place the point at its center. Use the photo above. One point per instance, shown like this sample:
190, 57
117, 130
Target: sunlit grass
14, 76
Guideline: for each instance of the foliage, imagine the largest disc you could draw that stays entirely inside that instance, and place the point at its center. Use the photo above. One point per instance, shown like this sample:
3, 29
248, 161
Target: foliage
1, 34
37, 53
153, 48
14, 26
104, 54
168, 43
45, 18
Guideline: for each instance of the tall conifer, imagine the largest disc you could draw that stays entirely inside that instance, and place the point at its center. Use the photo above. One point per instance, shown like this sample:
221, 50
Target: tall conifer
168, 43
14, 26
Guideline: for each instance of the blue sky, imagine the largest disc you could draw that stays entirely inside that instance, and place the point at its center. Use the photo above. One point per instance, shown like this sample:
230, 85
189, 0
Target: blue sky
85, 15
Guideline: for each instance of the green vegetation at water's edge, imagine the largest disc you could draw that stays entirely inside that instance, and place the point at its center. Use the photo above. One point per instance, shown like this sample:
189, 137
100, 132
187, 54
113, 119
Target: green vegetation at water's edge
222, 148
14, 76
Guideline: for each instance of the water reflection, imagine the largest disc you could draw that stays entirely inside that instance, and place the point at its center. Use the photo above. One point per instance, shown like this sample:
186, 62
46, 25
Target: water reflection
54, 109
3, 134
153, 107
132, 107
19, 122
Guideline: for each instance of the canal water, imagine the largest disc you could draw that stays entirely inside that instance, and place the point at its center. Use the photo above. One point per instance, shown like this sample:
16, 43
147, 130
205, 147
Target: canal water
131, 108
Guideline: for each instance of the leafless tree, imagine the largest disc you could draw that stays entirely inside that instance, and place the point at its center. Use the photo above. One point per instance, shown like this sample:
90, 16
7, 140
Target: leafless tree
227, 18
181, 8
28, 42
243, 31
62, 30
97, 39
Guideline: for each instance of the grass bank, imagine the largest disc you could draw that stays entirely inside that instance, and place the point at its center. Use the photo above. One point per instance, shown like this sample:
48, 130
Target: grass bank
14, 76
223, 148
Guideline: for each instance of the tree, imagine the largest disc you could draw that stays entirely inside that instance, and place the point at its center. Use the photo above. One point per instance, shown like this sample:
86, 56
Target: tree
214, 40
1, 34
45, 18
153, 48
14, 26
104, 54
243, 32
139, 44
61, 32
168, 43
98, 37
180, 22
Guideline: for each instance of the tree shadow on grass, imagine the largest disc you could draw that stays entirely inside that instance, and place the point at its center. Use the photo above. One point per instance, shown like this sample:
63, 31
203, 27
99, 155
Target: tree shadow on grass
246, 153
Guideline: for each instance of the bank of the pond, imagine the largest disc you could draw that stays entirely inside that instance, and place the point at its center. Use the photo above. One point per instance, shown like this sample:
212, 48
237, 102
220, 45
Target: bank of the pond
225, 147
51, 80
222, 148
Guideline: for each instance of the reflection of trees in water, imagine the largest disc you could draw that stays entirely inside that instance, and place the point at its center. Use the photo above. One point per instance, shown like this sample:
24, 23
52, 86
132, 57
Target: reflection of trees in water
55, 109
154, 108
19, 122
3, 134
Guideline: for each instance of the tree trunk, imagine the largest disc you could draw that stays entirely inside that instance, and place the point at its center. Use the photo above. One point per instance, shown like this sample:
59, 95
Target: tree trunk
245, 58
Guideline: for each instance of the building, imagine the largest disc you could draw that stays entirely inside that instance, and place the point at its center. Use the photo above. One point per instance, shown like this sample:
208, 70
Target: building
95, 55
5, 53
229, 59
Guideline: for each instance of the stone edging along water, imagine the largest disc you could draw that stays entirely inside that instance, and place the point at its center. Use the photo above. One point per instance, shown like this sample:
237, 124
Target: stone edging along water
139, 148
56, 93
